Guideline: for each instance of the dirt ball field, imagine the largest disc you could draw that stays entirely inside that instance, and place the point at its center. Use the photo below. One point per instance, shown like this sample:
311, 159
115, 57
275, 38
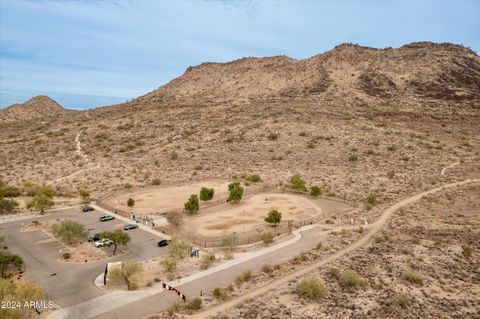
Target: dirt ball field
160, 199
250, 213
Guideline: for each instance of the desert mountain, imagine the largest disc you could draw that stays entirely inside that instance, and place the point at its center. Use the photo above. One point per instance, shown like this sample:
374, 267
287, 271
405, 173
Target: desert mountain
37, 107
417, 70
346, 119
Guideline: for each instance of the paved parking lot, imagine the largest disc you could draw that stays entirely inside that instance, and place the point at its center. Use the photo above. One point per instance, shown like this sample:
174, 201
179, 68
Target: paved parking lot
70, 283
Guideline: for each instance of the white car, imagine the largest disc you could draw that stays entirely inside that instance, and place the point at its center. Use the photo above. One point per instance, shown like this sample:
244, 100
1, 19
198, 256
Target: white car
103, 242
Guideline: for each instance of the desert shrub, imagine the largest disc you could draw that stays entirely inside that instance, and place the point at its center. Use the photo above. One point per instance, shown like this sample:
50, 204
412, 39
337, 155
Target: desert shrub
413, 277
315, 191
156, 181
267, 238
173, 156
220, 293
253, 178
273, 136
66, 255
195, 304
467, 251
130, 202
371, 200
40, 202
311, 289
297, 183
267, 269
392, 148
236, 192
207, 261
353, 158
7, 205
157, 279
402, 300
169, 264
244, 277
311, 144
274, 217
206, 193
350, 279
192, 206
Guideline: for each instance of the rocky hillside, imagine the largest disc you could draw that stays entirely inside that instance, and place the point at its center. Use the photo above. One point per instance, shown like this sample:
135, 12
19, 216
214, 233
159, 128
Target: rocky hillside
40, 106
353, 120
417, 70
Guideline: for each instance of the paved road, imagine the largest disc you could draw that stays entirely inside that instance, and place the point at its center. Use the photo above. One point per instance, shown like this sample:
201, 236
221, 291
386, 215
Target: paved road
73, 282
142, 303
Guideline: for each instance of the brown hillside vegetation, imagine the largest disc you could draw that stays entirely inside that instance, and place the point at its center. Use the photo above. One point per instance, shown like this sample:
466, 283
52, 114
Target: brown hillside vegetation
36, 107
353, 120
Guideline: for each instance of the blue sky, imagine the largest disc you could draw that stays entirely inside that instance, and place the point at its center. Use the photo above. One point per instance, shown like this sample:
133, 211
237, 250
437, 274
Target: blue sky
92, 53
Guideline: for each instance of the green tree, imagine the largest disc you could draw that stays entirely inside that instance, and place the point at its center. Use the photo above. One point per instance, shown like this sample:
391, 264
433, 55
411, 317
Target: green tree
178, 248
118, 238
130, 202
206, 193
7, 259
70, 231
315, 191
236, 192
128, 271
44, 190
274, 217
7, 205
41, 202
230, 241
192, 206
297, 183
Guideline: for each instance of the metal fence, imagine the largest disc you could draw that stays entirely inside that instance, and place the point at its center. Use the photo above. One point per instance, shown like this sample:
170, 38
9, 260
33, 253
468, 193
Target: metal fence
244, 238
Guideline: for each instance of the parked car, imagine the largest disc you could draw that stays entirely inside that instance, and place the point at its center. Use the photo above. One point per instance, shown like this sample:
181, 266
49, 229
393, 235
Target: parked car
94, 237
163, 243
88, 209
106, 218
103, 242
130, 226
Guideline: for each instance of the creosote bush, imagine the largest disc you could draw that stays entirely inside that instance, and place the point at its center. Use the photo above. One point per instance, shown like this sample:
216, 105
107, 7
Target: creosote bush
297, 183
412, 276
315, 191
311, 289
350, 279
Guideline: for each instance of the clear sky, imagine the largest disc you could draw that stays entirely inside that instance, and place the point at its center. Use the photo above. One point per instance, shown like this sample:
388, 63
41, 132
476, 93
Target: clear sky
92, 53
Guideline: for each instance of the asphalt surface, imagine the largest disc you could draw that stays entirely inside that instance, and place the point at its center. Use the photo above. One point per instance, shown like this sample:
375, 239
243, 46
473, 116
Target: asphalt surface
71, 283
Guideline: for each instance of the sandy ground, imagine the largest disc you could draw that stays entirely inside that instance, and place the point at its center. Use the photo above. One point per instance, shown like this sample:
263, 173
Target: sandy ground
164, 198
249, 214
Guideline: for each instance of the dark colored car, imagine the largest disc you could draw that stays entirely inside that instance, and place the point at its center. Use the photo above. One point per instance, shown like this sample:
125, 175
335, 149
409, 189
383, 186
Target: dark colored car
163, 243
94, 237
130, 226
88, 209
106, 218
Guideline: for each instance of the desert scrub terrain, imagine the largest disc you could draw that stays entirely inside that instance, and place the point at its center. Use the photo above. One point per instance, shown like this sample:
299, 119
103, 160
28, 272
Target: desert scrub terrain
423, 264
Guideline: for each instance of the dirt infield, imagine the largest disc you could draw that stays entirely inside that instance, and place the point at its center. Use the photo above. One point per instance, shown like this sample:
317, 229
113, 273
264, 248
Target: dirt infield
249, 214
160, 199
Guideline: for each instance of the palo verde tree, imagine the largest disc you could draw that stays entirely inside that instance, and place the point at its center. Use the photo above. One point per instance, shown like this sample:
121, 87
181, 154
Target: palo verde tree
192, 206
206, 193
274, 217
178, 248
128, 271
41, 202
70, 231
236, 192
118, 238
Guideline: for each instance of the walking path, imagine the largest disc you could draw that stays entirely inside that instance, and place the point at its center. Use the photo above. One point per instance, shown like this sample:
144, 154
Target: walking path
122, 304
376, 227
444, 170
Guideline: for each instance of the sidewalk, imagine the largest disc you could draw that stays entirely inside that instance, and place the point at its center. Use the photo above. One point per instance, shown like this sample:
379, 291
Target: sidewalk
116, 299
